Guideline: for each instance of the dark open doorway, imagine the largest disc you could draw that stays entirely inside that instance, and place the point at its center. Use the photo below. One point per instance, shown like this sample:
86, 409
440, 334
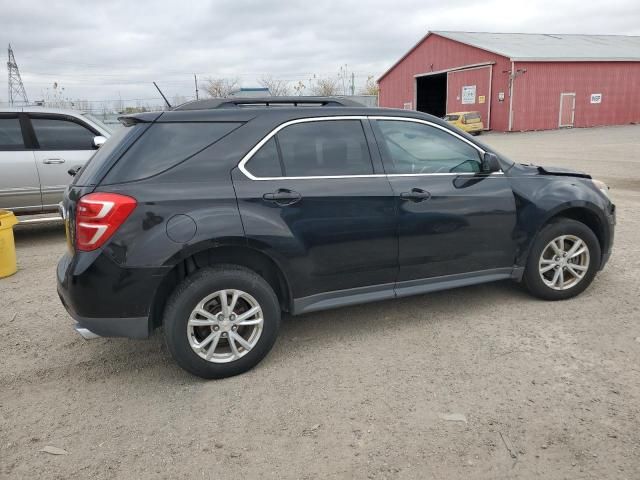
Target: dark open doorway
432, 94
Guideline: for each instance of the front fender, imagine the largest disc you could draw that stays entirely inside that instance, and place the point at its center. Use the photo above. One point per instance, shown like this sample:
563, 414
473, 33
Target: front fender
540, 199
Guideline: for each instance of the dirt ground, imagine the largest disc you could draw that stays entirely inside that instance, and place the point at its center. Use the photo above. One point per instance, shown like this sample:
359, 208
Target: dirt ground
480, 382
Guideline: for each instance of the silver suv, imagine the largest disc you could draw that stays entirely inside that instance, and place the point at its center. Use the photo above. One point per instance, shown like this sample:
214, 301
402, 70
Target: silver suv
37, 148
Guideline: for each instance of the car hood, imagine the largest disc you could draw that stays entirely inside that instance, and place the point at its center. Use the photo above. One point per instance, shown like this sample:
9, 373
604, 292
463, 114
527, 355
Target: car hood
562, 172
552, 171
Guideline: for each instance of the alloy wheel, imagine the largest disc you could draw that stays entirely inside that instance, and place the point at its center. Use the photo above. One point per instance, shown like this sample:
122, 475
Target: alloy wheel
225, 326
564, 262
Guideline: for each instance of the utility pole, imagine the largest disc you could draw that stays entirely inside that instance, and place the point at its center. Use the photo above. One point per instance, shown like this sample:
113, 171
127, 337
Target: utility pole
16, 87
353, 84
195, 80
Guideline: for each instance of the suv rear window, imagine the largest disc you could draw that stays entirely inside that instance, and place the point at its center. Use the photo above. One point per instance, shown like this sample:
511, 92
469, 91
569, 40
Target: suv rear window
472, 116
164, 145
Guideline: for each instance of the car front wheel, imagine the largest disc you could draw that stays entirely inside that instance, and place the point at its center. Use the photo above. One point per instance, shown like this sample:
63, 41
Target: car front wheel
563, 261
221, 321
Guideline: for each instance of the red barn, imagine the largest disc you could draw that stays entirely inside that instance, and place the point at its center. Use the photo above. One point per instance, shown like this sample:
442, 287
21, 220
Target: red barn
520, 81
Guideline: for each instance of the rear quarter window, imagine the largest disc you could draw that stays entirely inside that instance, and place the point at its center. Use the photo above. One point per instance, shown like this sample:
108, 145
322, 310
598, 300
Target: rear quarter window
165, 145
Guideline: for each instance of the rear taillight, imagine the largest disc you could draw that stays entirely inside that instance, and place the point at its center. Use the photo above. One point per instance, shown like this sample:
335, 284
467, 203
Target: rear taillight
98, 216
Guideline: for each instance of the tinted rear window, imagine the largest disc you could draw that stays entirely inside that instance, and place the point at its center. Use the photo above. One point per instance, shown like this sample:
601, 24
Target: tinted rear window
87, 175
472, 116
165, 145
451, 118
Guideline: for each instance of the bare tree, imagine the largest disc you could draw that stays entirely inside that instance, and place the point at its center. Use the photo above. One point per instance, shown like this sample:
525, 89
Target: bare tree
299, 88
370, 87
277, 88
221, 87
324, 87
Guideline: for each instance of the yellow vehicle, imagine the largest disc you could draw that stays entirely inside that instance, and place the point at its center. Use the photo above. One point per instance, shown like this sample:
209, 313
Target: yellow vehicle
470, 122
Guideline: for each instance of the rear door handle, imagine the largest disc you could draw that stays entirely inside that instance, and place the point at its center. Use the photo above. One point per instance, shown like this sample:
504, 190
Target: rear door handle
52, 161
283, 197
416, 195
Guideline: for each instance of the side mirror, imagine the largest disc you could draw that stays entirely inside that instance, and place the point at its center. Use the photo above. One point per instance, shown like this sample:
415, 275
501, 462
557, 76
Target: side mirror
490, 163
99, 141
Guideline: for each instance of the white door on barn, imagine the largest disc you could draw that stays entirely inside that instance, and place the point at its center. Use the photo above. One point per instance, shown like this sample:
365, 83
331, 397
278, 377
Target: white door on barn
567, 109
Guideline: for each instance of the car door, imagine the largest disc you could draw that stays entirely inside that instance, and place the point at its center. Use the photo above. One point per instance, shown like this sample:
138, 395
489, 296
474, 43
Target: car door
63, 142
312, 196
19, 182
452, 217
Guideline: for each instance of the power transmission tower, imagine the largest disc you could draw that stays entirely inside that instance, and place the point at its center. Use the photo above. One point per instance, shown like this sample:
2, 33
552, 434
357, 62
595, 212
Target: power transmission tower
16, 87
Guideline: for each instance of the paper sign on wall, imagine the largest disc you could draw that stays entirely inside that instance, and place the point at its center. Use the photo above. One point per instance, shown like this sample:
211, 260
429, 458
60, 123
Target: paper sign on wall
407, 106
596, 98
481, 98
468, 94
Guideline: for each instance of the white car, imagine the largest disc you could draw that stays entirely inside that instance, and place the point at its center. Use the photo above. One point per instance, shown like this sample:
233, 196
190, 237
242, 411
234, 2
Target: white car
38, 146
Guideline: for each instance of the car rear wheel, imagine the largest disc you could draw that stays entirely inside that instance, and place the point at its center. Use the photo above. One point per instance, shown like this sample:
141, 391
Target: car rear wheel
563, 261
221, 321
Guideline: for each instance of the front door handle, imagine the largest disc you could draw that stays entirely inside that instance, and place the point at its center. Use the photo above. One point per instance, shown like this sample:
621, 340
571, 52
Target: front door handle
283, 197
52, 161
416, 195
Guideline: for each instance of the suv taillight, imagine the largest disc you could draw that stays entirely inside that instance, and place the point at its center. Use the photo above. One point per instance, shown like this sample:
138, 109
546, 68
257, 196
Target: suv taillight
98, 216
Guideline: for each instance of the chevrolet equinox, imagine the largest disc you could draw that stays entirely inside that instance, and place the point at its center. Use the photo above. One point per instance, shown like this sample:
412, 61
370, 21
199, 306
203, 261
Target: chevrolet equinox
212, 219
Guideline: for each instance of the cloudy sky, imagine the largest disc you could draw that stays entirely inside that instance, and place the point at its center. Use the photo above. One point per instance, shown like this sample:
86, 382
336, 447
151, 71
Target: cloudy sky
104, 51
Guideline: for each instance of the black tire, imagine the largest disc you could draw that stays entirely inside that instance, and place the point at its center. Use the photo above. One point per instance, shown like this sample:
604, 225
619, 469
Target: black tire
561, 226
198, 286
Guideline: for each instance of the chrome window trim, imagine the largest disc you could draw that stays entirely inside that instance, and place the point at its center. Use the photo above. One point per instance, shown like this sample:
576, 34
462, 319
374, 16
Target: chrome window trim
258, 146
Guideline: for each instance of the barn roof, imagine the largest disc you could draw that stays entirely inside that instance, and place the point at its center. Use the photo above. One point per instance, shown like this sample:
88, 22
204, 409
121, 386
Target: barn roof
543, 47
535, 47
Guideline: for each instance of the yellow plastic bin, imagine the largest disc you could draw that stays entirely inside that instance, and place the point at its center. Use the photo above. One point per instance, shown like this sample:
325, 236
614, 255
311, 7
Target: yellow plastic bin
8, 263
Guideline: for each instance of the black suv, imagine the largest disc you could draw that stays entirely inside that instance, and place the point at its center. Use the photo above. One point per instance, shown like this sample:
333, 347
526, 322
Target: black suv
212, 219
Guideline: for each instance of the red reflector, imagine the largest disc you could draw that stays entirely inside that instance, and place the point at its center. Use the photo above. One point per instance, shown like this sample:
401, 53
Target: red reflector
98, 216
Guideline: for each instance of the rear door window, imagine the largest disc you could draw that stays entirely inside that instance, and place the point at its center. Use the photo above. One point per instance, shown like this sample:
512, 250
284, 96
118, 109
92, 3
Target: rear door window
325, 148
11, 134
165, 145
62, 134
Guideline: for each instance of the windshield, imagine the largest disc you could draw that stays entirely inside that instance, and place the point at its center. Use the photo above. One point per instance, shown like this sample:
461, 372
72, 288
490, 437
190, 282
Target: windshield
99, 122
451, 118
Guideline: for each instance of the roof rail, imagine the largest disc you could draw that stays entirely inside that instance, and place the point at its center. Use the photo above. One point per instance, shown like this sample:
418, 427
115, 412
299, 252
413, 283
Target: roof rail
215, 103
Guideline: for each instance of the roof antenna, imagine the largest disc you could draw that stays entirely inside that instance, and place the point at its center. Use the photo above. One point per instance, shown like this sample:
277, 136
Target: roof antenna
165, 98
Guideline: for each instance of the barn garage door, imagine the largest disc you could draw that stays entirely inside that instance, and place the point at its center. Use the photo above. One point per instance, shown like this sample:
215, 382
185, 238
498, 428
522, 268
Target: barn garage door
470, 90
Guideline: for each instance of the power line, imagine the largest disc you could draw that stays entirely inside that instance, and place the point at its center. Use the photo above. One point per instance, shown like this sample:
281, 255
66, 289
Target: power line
16, 87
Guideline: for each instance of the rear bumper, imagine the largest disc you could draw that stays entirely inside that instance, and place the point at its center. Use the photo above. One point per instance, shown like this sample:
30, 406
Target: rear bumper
130, 327
106, 299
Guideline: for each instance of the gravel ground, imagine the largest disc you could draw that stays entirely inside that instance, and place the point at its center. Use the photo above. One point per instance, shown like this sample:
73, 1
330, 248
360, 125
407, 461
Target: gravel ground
479, 382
